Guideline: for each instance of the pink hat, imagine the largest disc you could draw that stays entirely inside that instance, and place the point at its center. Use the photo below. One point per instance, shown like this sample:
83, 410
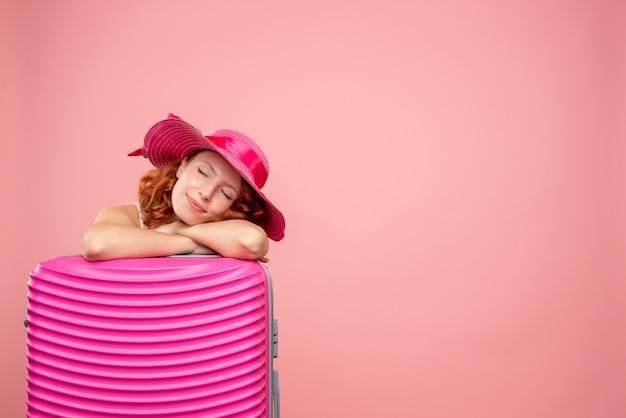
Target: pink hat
172, 140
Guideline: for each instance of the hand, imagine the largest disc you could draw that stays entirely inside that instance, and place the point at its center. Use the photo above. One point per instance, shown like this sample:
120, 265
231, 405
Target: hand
175, 227
203, 250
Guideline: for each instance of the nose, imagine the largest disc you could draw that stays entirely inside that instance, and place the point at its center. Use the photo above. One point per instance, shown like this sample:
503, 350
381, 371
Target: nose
206, 192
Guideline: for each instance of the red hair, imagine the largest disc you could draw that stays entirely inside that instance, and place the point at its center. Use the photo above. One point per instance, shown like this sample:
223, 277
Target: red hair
155, 198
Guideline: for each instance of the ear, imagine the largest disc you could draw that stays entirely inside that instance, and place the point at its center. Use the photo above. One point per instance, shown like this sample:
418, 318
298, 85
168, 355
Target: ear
181, 168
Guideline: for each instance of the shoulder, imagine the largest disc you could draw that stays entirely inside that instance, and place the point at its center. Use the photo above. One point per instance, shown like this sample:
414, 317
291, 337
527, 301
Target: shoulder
119, 215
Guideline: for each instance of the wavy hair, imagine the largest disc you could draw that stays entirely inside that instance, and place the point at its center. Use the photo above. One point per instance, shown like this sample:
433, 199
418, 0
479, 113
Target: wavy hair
155, 198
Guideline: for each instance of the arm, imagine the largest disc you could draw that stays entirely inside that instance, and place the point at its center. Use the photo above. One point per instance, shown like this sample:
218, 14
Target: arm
235, 238
116, 234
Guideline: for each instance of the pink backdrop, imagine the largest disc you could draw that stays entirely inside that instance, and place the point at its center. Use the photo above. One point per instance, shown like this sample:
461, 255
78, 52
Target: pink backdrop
452, 173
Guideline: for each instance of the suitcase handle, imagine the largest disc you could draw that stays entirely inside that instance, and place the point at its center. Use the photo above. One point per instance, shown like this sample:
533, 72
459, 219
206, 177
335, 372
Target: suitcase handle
275, 395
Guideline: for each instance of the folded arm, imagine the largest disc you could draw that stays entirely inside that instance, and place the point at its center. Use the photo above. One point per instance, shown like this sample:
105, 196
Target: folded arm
115, 233
236, 238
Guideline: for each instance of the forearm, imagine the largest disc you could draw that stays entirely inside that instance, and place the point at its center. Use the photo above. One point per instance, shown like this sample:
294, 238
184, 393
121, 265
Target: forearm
231, 238
105, 242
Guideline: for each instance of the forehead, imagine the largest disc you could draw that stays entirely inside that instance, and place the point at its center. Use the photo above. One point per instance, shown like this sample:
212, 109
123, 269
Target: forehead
209, 157
217, 162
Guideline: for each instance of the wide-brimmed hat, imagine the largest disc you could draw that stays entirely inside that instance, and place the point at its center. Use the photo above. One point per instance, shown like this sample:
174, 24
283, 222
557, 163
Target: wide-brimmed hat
172, 140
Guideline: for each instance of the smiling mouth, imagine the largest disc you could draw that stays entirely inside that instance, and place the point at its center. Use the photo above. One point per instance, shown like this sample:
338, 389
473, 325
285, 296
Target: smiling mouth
195, 205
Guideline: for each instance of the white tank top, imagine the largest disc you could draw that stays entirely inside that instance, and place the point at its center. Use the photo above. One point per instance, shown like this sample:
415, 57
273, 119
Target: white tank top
140, 214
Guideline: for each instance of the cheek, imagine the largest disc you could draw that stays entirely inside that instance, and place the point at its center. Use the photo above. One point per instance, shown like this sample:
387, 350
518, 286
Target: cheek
222, 207
175, 190
178, 195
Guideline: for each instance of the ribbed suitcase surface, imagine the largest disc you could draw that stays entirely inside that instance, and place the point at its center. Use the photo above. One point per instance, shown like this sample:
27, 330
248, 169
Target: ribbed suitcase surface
158, 337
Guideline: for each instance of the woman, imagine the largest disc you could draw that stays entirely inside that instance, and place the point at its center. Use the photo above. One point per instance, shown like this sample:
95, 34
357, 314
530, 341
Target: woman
203, 197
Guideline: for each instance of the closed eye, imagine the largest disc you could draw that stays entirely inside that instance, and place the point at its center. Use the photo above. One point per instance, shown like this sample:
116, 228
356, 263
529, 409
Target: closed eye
227, 195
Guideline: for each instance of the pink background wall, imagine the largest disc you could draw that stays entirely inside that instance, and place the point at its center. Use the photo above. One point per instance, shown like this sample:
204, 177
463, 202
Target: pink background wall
452, 173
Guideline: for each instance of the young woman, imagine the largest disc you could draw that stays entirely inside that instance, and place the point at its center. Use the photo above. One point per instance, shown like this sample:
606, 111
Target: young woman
203, 197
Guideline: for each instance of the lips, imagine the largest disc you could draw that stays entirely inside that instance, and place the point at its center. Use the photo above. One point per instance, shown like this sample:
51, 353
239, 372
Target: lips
195, 205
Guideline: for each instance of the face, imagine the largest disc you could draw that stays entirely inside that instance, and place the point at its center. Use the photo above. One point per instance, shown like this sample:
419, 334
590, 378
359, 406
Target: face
206, 188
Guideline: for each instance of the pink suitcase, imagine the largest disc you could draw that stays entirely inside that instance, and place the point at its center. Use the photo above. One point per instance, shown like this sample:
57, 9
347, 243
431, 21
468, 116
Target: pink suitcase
159, 337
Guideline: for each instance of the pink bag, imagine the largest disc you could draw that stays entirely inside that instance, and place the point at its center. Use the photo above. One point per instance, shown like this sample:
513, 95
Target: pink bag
159, 337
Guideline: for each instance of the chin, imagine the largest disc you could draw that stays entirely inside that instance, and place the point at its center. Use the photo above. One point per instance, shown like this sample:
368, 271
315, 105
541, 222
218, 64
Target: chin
192, 218
193, 222
189, 220
197, 221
